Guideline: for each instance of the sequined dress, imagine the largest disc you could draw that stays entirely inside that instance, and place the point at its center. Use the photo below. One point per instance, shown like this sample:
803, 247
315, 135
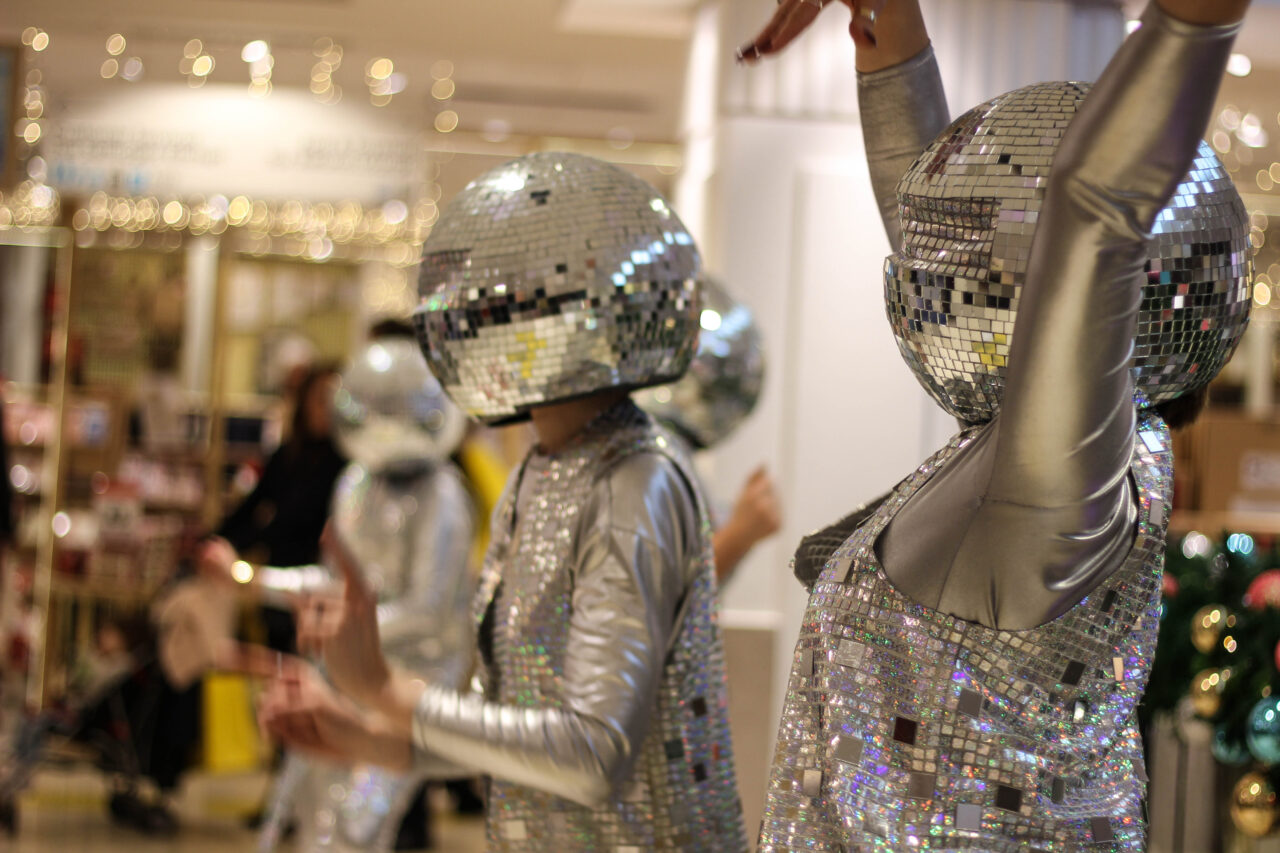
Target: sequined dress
976, 644
581, 758
906, 728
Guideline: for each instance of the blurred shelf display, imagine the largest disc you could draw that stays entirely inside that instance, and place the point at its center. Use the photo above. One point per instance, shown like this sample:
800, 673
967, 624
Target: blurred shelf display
148, 376
1214, 522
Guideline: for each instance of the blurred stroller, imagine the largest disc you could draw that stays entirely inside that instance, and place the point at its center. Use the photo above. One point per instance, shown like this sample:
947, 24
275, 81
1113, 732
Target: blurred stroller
133, 712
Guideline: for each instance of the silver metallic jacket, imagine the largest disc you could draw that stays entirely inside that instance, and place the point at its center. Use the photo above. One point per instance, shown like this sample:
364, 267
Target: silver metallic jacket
973, 651
604, 723
412, 534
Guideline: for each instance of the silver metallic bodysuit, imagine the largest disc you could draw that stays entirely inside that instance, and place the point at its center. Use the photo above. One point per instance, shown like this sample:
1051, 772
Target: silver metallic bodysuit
412, 534
604, 725
973, 652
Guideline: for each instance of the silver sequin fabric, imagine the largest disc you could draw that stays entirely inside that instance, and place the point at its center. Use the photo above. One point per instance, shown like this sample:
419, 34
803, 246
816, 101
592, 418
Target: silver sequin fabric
969, 207
724, 380
905, 728
682, 792
553, 276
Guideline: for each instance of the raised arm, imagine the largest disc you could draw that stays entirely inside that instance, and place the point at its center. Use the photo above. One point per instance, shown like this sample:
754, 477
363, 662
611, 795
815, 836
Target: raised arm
901, 103
900, 96
1066, 423
1039, 508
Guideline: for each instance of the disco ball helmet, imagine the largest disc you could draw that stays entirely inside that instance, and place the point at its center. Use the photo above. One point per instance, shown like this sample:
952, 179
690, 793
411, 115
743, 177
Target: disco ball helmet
724, 380
553, 277
390, 412
968, 207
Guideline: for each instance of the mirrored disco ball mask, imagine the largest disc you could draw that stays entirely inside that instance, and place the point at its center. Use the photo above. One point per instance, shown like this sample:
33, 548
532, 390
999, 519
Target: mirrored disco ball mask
552, 277
969, 206
390, 412
723, 383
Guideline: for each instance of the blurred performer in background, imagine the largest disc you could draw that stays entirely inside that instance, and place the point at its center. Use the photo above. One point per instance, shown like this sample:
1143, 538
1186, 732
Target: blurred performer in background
279, 523
405, 511
708, 403
551, 286
976, 644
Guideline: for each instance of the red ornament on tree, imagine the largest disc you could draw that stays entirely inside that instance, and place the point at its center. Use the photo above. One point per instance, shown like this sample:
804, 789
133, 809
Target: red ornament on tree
1264, 591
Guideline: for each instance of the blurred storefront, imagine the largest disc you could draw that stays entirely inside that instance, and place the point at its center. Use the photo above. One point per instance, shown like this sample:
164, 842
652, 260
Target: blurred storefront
194, 203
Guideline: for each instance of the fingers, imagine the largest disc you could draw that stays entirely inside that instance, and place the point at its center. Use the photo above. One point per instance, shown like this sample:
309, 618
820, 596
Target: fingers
319, 620
801, 14
256, 661
790, 19
862, 27
304, 715
355, 588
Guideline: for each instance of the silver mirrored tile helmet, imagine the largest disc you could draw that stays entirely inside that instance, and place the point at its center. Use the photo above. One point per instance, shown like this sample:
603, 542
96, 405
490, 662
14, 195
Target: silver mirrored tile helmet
969, 206
552, 277
724, 381
390, 412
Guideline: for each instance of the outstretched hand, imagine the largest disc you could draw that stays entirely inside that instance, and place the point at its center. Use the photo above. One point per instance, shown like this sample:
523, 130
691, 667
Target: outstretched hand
302, 711
757, 514
793, 17
342, 628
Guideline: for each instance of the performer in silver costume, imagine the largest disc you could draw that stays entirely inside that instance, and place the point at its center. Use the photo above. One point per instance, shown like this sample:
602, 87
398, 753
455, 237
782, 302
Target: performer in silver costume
551, 286
976, 643
707, 404
405, 511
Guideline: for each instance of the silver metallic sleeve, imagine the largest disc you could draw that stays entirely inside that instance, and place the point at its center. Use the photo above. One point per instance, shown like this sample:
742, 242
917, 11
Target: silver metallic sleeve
433, 605
1040, 507
1066, 421
633, 544
902, 109
278, 585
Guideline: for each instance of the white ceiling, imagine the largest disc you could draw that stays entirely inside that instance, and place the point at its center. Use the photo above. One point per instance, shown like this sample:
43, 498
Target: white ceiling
571, 67
575, 68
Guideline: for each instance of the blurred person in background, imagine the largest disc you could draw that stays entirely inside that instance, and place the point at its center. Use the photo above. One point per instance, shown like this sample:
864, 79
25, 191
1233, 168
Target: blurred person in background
406, 511
280, 521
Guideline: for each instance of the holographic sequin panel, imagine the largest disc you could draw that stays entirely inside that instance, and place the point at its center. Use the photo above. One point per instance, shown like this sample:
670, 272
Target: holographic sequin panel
969, 207
682, 794
908, 729
553, 276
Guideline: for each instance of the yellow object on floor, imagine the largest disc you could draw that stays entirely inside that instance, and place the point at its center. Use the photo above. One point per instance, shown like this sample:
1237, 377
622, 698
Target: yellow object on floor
231, 740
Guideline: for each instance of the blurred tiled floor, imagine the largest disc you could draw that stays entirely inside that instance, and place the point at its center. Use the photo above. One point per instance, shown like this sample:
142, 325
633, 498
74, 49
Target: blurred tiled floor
64, 811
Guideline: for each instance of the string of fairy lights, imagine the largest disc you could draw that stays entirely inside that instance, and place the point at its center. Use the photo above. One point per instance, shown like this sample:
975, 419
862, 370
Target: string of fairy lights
392, 232
315, 231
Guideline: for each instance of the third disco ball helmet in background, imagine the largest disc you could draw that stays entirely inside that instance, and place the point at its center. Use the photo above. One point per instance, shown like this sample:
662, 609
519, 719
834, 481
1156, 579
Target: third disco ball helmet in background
724, 381
969, 206
390, 412
552, 277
